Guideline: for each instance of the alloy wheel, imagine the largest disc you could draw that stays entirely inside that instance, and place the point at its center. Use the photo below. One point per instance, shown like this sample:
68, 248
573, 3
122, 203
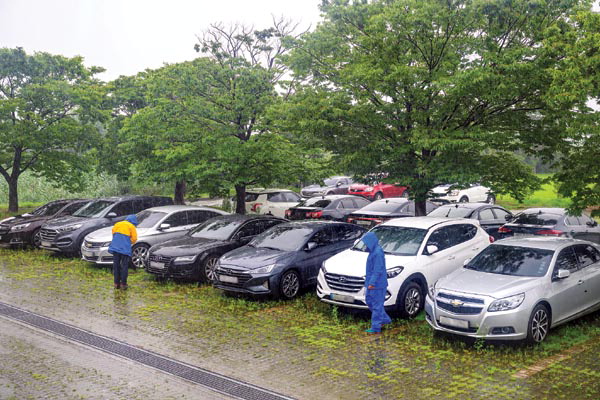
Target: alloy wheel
37, 240
210, 269
138, 256
539, 325
290, 284
412, 301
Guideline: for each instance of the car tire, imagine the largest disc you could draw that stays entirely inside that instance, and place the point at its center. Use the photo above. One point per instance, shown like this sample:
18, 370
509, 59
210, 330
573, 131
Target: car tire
491, 199
464, 199
539, 324
378, 196
36, 241
410, 300
138, 255
208, 269
289, 285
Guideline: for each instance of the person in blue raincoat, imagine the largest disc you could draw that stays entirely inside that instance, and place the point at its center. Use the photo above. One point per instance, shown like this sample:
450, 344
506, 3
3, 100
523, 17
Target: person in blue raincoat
124, 236
375, 283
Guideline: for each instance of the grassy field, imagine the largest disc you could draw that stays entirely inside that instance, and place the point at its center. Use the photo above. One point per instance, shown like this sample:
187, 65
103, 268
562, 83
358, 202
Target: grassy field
546, 196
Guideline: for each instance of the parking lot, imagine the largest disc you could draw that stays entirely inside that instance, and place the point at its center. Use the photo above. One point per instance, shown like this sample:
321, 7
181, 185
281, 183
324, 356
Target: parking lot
302, 348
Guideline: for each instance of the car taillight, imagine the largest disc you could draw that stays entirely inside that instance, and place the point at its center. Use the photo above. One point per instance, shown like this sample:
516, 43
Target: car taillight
550, 232
504, 229
256, 207
492, 239
316, 214
350, 220
288, 213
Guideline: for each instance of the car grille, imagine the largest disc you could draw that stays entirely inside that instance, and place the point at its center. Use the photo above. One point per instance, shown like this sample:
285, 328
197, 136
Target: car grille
344, 283
4, 229
48, 235
454, 328
242, 277
92, 245
459, 304
159, 258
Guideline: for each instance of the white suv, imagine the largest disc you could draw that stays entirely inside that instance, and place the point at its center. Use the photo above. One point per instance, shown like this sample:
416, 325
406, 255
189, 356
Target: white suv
271, 201
474, 193
418, 251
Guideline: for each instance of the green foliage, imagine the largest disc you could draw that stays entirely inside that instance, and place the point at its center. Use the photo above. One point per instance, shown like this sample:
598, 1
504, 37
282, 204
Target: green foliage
434, 91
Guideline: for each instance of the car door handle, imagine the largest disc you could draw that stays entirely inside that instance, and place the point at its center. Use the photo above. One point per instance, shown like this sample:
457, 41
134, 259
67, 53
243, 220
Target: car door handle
579, 282
451, 257
475, 248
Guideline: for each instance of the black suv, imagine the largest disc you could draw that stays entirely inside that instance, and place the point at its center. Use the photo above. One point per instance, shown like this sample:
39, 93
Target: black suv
66, 234
22, 230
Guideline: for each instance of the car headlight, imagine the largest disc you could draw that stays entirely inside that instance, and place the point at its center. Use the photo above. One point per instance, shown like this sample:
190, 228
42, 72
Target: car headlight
368, 189
394, 272
507, 303
19, 227
69, 228
264, 270
184, 259
453, 193
323, 269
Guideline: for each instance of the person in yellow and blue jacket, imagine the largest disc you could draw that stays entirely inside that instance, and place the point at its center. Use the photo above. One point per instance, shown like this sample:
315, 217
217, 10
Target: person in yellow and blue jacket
124, 236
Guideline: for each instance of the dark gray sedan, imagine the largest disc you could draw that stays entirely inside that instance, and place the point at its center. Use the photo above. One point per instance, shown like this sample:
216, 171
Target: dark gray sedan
333, 185
490, 217
333, 207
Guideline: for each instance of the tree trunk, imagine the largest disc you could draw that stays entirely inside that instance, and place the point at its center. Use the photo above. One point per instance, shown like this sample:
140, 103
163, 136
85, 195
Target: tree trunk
420, 208
240, 199
180, 189
13, 194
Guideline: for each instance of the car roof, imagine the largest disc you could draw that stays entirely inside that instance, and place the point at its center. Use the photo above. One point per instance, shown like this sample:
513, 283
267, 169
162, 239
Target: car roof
130, 197
247, 217
471, 206
180, 207
316, 223
394, 200
272, 191
542, 242
337, 196
425, 222
541, 210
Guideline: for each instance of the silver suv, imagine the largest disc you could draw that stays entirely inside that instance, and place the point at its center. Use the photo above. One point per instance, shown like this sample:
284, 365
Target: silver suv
518, 289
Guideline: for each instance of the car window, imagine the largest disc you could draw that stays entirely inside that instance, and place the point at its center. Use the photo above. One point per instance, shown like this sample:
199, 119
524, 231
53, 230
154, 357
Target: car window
71, 208
359, 202
250, 228
461, 233
440, 239
315, 202
586, 255
566, 260
177, 219
198, 216
48, 209
453, 211
124, 208
323, 237
93, 209
348, 232
501, 214
292, 197
486, 215
147, 218
276, 197
383, 206
512, 260
572, 221
429, 207
398, 240
346, 203
251, 197
536, 219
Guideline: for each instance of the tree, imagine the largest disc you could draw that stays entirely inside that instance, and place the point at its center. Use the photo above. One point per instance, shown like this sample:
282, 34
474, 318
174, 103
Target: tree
48, 107
435, 91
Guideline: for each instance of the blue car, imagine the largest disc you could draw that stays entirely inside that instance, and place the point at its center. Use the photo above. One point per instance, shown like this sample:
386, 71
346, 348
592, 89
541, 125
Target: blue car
285, 258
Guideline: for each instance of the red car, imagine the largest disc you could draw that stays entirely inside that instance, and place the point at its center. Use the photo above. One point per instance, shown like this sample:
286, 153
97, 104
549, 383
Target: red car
377, 191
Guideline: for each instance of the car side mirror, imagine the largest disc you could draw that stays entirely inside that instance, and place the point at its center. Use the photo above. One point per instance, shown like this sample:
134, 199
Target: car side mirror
111, 214
431, 249
563, 273
162, 227
508, 217
311, 246
592, 224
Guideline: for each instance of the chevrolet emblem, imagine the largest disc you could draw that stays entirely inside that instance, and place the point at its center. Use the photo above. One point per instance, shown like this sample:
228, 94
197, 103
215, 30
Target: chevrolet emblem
456, 303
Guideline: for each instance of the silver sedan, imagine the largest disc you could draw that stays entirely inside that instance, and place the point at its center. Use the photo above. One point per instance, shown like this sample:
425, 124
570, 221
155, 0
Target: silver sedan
517, 289
155, 225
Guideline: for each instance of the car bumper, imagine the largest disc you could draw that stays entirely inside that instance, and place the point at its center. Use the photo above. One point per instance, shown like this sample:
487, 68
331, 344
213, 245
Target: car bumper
61, 242
485, 325
176, 271
98, 255
257, 285
15, 239
348, 299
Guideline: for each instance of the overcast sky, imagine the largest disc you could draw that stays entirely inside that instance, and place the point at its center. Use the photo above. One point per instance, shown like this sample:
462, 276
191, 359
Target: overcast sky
128, 36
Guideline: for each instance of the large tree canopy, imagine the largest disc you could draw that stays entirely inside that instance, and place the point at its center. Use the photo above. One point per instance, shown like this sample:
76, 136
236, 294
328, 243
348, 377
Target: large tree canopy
435, 91
47, 115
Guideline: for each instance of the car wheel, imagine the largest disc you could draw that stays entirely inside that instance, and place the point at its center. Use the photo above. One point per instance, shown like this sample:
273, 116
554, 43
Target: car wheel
464, 199
138, 255
539, 324
289, 286
209, 269
491, 199
378, 196
36, 240
410, 300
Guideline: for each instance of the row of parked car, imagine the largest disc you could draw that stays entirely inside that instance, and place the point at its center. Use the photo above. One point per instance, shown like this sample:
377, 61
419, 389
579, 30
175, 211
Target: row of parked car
468, 282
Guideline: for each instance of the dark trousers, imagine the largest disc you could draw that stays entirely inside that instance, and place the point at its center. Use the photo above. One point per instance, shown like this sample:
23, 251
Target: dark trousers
375, 299
120, 267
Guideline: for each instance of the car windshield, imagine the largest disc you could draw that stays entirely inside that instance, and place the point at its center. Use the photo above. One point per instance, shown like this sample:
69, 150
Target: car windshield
512, 260
398, 240
94, 209
48, 209
216, 228
451, 212
535, 219
283, 237
384, 206
314, 202
147, 219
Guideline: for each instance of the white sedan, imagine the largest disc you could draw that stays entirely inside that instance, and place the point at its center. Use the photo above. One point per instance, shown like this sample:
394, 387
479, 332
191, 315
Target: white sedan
271, 201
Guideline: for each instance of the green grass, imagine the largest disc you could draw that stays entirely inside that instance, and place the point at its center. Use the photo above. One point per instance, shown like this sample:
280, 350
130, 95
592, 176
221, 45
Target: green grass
547, 196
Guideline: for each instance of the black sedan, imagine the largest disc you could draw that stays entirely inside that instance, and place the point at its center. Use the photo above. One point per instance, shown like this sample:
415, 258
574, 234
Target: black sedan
195, 255
490, 217
332, 207
285, 258
385, 209
552, 222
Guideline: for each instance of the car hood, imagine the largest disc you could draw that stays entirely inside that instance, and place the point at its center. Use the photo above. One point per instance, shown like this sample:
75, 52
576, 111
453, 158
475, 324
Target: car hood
22, 219
249, 258
443, 189
69, 220
353, 262
186, 245
105, 234
486, 284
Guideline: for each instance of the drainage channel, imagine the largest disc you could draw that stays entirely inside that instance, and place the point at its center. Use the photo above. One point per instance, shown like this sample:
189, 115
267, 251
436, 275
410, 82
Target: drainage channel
216, 382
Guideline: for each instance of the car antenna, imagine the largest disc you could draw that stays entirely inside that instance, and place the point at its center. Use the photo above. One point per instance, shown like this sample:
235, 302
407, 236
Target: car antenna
456, 205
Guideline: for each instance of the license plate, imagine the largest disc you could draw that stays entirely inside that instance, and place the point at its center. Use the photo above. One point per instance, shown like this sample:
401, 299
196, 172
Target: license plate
341, 297
457, 323
46, 244
89, 254
159, 265
362, 222
228, 279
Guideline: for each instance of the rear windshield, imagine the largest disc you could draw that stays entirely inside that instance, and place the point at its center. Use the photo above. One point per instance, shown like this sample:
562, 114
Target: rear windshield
384, 206
512, 260
396, 240
314, 202
94, 209
535, 219
451, 212
48, 209
147, 219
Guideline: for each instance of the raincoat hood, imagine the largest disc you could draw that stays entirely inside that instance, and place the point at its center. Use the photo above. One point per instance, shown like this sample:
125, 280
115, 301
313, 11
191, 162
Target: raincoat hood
371, 241
132, 219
